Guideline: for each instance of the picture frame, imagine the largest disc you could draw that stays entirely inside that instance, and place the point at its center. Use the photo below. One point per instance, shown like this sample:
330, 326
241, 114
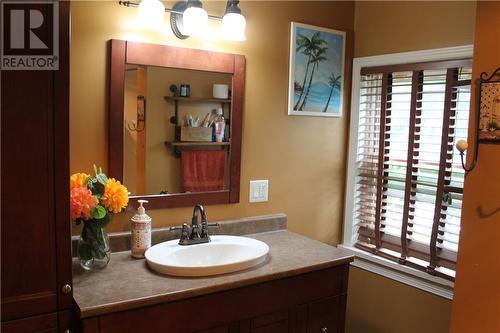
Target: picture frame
316, 71
489, 107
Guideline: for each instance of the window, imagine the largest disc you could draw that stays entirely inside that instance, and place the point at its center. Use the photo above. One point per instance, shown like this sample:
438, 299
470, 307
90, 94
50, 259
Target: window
406, 178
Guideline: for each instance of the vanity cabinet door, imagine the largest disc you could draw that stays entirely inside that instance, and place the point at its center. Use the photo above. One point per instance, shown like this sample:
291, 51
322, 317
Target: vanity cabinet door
324, 315
35, 228
231, 328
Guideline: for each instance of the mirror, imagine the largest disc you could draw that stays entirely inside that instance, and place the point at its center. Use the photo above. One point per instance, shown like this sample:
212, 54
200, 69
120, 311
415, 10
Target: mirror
175, 123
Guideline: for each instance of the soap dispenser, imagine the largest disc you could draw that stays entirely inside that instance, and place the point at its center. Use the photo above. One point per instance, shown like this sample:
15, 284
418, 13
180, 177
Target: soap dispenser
141, 231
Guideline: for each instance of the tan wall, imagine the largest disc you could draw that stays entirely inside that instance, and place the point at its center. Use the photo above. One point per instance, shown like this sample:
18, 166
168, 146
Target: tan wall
303, 157
476, 306
377, 304
386, 306
398, 26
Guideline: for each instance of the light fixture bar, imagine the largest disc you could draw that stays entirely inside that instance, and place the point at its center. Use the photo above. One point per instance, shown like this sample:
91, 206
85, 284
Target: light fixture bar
168, 10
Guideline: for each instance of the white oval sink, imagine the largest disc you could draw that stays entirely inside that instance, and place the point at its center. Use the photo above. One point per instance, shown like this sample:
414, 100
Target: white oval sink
224, 254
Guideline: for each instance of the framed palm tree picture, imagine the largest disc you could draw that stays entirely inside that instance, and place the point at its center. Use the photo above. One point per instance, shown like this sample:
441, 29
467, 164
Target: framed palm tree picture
316, 71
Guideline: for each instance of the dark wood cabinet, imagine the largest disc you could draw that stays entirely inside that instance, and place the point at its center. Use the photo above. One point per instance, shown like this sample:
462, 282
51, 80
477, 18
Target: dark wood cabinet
312, 302
36, 252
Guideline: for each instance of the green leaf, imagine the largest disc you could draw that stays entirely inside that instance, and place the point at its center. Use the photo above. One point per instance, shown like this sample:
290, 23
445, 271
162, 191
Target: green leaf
95, 187
101, 178
98, 212
101, 223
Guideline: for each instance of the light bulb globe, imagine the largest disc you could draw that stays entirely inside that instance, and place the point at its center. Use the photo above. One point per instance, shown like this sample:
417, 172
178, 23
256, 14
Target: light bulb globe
195, 20
233, 26
151, 13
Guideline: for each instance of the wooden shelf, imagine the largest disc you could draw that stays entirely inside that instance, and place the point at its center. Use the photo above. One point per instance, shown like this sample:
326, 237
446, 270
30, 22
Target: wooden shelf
196, 99
201, 143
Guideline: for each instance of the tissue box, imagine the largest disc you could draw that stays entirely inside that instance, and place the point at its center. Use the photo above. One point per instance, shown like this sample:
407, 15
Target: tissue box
196, 134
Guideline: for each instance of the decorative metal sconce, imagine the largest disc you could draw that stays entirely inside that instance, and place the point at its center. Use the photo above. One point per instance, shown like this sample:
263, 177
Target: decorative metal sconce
487, 115
141, 116
188, 18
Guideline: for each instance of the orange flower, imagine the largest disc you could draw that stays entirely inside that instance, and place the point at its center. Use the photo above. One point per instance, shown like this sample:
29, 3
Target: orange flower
115, 197
82, 203
78, 180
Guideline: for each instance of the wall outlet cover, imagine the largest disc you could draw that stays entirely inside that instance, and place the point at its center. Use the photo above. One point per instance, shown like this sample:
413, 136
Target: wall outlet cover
259, 190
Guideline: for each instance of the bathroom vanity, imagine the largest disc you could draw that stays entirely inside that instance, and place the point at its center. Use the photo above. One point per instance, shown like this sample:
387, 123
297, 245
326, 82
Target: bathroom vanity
302, 287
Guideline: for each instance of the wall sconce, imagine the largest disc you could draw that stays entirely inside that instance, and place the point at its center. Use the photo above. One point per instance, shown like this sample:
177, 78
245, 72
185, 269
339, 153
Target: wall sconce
487, 108
188, 18
141, 116
462, 146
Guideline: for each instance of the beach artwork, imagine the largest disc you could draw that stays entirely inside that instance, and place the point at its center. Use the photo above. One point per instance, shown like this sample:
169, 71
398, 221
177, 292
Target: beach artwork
316, 71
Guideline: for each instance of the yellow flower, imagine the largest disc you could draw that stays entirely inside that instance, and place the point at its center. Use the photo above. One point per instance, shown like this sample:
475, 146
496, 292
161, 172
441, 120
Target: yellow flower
78, 180
115, 197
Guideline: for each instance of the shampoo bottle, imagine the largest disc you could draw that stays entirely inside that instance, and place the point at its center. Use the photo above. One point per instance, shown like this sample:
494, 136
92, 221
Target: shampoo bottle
141, 231
219, 125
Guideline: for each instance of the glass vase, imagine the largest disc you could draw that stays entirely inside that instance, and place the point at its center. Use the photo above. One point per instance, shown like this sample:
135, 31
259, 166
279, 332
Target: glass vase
93, 246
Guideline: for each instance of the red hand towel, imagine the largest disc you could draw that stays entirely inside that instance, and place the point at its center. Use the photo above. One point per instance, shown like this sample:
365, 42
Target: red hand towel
203, 170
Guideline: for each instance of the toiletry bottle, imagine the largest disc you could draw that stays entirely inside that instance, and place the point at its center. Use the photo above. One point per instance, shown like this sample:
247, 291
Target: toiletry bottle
141, 231
219, 125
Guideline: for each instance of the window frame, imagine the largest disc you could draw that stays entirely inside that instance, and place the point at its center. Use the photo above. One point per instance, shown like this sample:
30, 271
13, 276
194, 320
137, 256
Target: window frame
365, 260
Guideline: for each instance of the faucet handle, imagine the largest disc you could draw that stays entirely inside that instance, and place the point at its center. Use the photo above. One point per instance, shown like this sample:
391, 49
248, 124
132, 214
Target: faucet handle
184, 231
205, 226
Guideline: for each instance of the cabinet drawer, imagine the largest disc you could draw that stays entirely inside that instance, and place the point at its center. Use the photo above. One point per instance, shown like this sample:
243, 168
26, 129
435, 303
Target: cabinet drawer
38, 324
323, 315
269, 319
233, 328
280, 327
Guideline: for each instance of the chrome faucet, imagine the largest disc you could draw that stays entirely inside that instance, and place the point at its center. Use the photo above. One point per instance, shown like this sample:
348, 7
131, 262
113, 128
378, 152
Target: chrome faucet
193, 235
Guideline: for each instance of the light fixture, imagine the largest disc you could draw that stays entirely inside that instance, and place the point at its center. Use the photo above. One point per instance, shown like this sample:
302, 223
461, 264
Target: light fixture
189, 18
233, 23
151, 13
195, 18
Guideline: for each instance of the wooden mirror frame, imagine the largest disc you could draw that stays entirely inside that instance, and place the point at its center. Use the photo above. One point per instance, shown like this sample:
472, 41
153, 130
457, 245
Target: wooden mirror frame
122, 52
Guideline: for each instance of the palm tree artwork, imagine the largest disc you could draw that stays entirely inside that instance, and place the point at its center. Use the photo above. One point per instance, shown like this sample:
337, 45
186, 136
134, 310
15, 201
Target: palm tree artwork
318, 54
317, 57
309, 47
334, 82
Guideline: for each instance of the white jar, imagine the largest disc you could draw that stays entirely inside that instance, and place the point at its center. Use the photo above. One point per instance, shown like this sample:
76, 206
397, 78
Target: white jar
221, 91
141, 231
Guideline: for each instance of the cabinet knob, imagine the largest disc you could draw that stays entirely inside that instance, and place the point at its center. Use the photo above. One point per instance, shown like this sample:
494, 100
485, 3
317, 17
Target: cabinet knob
66, 289
324, 330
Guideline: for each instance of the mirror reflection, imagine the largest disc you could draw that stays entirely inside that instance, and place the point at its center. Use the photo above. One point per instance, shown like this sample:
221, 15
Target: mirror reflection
176, 130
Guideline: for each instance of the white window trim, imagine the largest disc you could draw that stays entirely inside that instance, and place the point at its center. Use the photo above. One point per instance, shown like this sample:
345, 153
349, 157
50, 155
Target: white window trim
365, 260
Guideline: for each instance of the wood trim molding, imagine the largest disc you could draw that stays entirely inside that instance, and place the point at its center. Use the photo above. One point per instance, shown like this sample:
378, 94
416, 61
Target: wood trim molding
122, 52
61, 165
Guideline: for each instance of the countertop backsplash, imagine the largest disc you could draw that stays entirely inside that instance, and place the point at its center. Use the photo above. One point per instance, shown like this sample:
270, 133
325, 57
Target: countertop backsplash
120, 241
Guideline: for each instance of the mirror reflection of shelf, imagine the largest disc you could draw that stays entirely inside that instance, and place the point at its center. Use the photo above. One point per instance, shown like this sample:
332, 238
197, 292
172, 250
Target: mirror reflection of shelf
175, 118
190, 144
197, 99
178, 146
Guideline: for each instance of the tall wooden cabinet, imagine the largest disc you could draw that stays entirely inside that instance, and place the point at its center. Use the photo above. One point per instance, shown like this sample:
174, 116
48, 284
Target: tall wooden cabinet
35, 227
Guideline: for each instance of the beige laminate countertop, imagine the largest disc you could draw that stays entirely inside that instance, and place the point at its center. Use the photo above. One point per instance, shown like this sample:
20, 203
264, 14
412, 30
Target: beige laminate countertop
128, 283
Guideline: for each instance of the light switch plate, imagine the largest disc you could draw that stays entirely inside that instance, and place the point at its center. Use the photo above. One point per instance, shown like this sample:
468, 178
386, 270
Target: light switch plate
259, 190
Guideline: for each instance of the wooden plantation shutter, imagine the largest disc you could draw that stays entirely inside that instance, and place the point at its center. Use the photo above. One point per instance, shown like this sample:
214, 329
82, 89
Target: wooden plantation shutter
409, 181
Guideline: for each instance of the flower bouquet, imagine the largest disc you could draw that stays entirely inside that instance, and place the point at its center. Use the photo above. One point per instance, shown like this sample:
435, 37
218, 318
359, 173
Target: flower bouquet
93, 199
